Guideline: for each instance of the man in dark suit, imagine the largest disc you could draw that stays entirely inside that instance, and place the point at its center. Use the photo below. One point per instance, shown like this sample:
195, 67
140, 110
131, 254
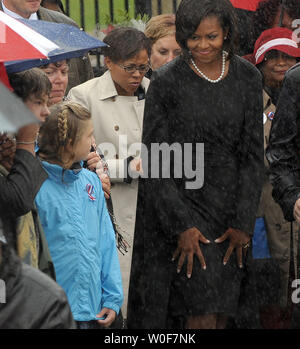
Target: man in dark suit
80, 68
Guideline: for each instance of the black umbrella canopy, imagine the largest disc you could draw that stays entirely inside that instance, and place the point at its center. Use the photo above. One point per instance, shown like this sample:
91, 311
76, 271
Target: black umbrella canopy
13, 112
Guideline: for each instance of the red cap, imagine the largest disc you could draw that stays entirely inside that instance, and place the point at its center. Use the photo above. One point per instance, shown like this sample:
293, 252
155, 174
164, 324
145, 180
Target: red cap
280, 39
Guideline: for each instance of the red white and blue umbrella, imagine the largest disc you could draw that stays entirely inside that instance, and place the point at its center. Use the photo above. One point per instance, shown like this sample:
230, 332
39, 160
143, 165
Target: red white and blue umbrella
71, 42
18, 41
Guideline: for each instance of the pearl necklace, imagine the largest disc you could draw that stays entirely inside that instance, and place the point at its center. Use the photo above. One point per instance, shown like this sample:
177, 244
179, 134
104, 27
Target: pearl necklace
207, 78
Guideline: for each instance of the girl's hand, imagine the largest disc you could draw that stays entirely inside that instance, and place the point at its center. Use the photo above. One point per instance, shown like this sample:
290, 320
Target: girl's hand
239, 240
188, 245
109, 317
92, 160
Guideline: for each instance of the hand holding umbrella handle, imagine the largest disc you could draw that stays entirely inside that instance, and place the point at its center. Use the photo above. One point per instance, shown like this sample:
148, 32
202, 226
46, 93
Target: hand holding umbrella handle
26, 137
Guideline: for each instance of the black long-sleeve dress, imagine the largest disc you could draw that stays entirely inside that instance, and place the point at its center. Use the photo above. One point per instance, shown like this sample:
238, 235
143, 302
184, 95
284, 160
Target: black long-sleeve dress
226, 117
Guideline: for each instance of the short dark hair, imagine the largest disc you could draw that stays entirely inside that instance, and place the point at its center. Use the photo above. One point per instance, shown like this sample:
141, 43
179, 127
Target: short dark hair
30, 82
191, 12
55, 2
124, 43
56, 64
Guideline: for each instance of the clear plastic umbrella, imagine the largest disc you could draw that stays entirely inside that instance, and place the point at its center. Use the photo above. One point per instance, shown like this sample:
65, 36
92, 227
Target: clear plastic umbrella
13, 112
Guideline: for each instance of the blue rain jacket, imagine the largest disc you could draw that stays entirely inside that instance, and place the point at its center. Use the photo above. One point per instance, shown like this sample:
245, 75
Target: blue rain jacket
81, 240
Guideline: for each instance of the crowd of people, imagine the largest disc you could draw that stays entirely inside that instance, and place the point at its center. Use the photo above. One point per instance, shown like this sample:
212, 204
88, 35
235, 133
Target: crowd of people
164, 193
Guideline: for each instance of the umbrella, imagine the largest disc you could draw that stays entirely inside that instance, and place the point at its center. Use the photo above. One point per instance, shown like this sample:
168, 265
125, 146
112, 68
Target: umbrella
13, 112
3, 77
249, 5
71, 41
18, 41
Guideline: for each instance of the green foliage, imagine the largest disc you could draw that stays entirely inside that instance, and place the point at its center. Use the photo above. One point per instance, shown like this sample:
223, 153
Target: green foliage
121, 16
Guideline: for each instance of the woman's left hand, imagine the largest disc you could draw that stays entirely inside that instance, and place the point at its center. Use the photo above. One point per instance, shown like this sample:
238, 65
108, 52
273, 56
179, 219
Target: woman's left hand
239, 240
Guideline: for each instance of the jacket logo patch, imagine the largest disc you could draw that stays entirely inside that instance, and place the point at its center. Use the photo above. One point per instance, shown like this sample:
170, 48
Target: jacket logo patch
90, 190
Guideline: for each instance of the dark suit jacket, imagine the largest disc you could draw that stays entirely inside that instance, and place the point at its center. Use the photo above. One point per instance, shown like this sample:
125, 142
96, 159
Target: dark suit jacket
32, 299
19, 189
80, 68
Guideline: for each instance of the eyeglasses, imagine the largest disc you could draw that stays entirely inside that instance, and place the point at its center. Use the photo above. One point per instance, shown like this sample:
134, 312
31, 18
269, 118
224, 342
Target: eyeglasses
143, 69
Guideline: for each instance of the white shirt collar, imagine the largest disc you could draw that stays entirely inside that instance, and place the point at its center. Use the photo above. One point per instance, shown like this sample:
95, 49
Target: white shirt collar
107, 88
15, 15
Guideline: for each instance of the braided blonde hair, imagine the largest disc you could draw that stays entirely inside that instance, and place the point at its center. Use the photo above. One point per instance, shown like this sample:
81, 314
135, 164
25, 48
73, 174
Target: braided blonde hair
63, 128
62, 124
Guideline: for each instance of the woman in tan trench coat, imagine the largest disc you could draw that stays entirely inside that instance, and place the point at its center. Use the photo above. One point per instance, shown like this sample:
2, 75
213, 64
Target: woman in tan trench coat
275, 52
116, 102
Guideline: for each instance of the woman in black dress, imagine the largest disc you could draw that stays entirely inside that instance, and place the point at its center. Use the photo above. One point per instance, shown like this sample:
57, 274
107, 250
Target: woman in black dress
187, 228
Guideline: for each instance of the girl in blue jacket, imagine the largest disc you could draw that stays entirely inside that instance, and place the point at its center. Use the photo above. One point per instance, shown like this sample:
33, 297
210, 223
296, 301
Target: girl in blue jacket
73, 212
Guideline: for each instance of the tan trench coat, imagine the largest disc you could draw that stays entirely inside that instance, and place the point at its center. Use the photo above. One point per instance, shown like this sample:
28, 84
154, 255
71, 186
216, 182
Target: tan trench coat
115, 118
278, 229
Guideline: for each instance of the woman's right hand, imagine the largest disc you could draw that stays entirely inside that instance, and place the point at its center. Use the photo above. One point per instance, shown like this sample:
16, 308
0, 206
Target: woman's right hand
104, 178
136, 166
106, 185
188, 245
